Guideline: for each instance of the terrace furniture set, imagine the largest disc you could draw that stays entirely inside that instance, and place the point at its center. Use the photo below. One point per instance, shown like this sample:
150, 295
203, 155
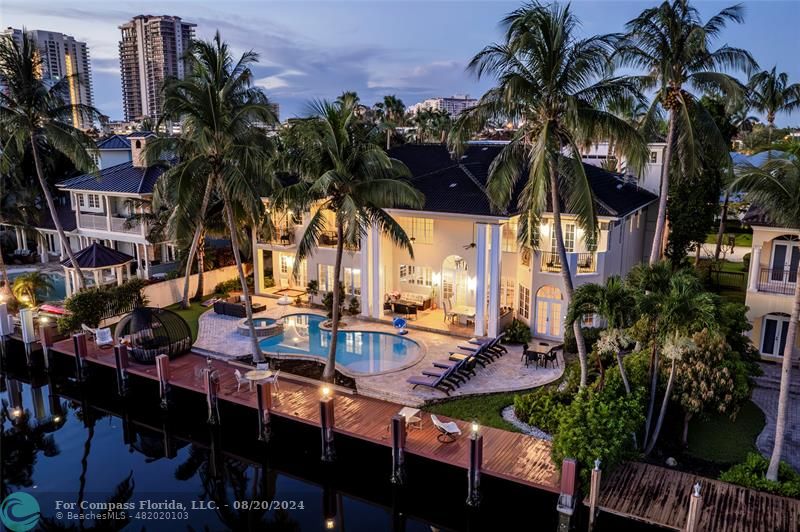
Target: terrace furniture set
447, 375
234, 306
546, 354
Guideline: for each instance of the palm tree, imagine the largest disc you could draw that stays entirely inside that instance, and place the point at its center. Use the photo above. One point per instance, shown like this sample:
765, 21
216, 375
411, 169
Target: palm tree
35, 114
741, 118
672, 45
391, 113
614, 303
771, 93
346, 176
775, 188
556, 86
27, 284
221, 149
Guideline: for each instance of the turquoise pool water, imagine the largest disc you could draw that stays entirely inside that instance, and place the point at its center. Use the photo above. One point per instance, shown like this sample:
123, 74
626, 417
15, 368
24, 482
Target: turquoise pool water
357, 352
263, 322
58, 291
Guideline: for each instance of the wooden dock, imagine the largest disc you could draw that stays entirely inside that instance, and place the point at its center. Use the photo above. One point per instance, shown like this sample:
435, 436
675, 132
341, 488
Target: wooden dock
660, 496
507, 455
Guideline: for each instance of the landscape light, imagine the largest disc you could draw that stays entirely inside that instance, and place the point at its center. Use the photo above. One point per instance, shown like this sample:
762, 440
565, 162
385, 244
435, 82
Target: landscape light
326, 392
475, 427
16, 412
56, 419
330, 523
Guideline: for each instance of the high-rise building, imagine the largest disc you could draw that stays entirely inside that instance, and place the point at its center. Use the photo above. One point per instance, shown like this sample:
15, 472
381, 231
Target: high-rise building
152, 49
63, 56
454, 105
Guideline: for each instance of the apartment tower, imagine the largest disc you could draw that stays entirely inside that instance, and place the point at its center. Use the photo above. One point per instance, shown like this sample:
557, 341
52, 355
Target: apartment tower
152, 49
63, 57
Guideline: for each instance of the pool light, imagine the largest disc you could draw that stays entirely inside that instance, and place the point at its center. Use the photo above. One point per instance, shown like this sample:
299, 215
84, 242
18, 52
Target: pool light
15, 412
330, 523
56, 419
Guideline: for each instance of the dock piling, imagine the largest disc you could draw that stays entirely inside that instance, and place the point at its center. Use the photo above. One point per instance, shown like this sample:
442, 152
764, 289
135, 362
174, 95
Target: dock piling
264, 396
162, 370
568, 494
475, 465
211, 381
695, 508
121, 365
327, 423
5, 324
594, 492
81, 350
47, 332
398, 449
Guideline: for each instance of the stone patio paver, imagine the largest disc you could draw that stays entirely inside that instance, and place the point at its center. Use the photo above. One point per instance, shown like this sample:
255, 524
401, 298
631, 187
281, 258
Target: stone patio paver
218, 335
767, 400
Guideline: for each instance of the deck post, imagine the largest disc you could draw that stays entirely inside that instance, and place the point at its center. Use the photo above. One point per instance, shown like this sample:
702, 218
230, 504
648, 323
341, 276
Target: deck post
327, 422
264, 396
162, 370
212, 389
568, 493
121, 364
330, 506
26, 325
47, 333
594, 492
5, 324
81, 350
695, 509
398, 449
474, 469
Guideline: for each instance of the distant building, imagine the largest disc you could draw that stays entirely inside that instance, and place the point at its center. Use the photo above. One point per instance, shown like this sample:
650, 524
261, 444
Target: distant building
454, 105
63, 56
152, 49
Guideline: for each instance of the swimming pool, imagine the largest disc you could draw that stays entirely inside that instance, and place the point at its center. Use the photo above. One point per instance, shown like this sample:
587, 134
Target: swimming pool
357, 352
58, 292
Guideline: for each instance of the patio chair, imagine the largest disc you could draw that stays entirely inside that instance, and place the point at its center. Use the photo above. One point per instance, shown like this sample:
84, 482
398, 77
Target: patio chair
530, 356
457, 373
273, 380
439, 383
447, 430
241, 379
449, 315
552, 356
103, 337
262, 366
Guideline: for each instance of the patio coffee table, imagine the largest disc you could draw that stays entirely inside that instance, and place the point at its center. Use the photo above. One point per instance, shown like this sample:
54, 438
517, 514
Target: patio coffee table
413, 419
256, 375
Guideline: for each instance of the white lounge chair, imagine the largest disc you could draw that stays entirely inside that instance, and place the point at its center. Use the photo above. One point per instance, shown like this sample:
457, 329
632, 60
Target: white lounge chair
241, 379
273, 380
448, 430
103, 337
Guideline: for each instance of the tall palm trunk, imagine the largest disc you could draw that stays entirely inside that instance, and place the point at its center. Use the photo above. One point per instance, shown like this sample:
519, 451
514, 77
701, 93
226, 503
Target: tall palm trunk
623, 373
661, 221
722, 223
195, 242
566, 277
53, 214
258, 356
662, 413
783, 394
330, 365
651, 403
201, 266
6, 288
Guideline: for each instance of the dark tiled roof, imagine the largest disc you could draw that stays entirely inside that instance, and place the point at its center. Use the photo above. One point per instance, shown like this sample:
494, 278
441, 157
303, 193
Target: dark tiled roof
457, 186
65, 215
114, 142
122, 178
98, 256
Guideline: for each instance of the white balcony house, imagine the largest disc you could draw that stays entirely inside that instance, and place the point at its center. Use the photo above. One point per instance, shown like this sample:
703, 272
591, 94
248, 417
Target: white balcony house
468, 276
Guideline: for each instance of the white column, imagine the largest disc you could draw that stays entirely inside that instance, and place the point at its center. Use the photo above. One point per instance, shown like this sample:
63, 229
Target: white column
127, 270
24, 239
364, 264
480, 281
42, 247
755, 268
258, 268
377, 293
108, 213
67, 282
118, 274
495, 270
97, 279
146, 258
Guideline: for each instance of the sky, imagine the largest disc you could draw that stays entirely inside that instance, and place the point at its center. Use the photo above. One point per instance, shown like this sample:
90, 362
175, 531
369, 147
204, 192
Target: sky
415, 50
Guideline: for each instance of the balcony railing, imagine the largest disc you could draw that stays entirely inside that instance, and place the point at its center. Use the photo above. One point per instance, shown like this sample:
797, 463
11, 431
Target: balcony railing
118, 226
551, 262
777, 281
329, 239
94, 221
585, 262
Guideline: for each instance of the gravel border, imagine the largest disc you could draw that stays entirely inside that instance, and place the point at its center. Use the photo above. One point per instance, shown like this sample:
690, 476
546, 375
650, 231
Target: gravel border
509, 415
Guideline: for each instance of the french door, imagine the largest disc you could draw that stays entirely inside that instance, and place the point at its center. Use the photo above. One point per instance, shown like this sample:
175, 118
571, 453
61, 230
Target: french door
548, 318
785, 260
773, 335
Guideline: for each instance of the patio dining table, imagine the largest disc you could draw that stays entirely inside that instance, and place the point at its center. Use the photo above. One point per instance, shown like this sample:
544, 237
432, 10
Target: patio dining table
464, 313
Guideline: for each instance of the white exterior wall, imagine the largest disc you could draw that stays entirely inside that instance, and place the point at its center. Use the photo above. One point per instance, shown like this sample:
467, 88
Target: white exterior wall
109, 158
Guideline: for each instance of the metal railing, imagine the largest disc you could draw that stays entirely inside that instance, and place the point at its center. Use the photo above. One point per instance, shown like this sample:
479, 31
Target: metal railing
94, 221
733, 280
118, 226
585, 262
551, 262
777, 281
281, 238
329, 239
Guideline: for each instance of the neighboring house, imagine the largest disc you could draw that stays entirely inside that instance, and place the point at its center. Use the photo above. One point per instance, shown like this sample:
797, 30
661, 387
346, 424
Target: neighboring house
774, 260
457, 227
650, 178
94, 208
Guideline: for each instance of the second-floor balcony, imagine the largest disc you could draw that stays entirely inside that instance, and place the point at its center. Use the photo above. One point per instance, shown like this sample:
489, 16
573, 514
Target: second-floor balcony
329, 239
585, 263
101, 222
777, 281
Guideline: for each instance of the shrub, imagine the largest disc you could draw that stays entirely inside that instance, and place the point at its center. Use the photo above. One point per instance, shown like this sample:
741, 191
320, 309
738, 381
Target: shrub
312, 288
232, 285
590, 336
93, 305
355, 306
541, 408
746, 262
517, 333
597, 425
172, 274
269, 282
752, 474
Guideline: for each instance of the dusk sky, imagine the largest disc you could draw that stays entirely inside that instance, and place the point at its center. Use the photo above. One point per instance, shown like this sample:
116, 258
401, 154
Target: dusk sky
413, 49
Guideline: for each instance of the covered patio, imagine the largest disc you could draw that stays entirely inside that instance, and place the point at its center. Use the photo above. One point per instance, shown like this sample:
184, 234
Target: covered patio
106, 266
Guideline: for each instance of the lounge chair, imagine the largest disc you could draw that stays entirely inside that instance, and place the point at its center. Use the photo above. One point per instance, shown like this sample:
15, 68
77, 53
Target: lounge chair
440, 383
458, 373
447, 430
103, 337
241, 379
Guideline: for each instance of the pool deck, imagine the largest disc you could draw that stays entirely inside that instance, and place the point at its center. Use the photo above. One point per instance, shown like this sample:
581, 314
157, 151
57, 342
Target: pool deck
217, 335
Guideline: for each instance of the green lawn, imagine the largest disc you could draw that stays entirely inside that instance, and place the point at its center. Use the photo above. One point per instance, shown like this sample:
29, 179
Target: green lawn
192, 314
485, 409
724, 441
742, 239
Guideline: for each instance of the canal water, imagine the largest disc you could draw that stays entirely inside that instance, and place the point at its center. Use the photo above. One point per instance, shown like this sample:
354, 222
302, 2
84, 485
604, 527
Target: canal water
93, 461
